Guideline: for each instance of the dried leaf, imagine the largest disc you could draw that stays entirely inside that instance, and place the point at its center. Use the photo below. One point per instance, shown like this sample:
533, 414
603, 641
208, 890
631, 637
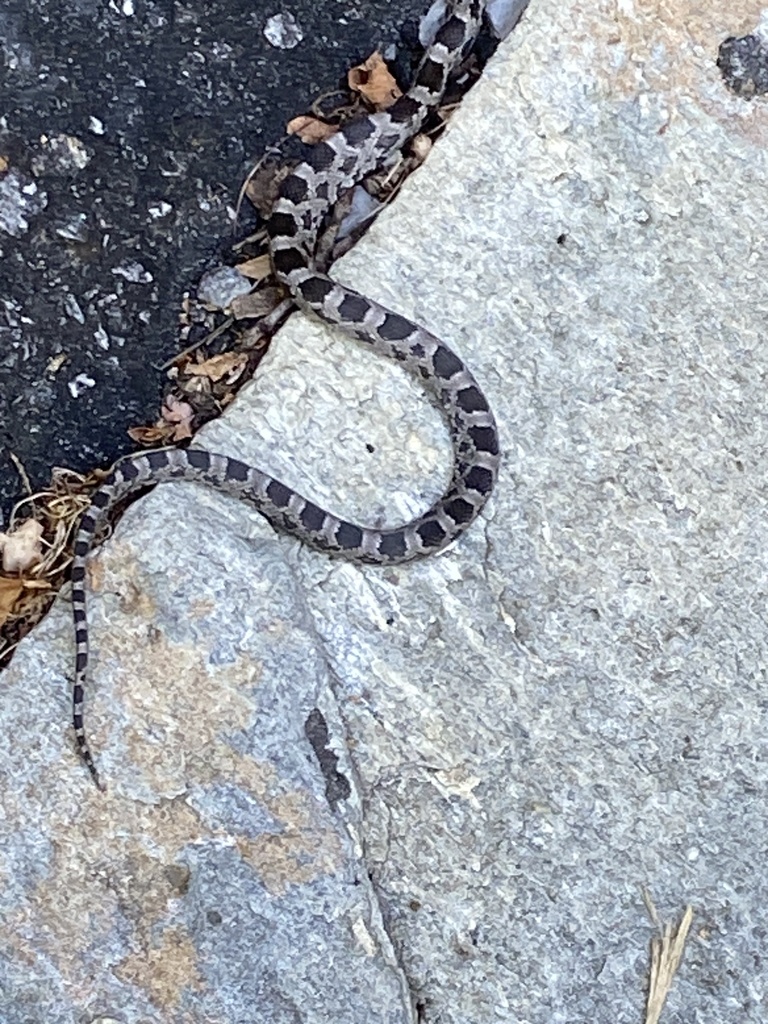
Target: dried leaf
10, 589
181, 414
154, 436
22, 548
262, 187
257, 268
227, 364
309, 129
254, 338
420, 146
256, 304
373, 80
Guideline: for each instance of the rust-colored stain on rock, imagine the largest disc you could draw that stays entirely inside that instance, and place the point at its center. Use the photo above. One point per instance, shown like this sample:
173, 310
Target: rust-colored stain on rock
670, 47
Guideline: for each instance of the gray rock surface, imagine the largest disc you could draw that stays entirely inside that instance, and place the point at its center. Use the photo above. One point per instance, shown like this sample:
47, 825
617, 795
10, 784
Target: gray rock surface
567, 706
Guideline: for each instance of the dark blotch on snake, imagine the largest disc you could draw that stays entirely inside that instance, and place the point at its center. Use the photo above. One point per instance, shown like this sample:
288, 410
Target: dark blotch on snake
157, 460
294, 189
279, 494
480, 479
199, 459
128, 469
101, 498
403, 109
460, 510
485, 439
321, 157
286, 260
282, 225
312, 517
470, 400
430, 75
431, 533
237, 470
349, 536
452, 33
446, 364
316, 289
354, 308
395, 328
393, 545
359, 130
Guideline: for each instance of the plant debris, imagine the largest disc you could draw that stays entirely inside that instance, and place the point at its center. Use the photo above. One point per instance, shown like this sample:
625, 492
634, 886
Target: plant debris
666, 953
221, 346
37, 552
311, 129
21, 549
375, 82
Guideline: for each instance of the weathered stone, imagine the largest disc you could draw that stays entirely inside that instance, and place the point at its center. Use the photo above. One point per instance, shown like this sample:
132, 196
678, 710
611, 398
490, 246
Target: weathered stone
567, 706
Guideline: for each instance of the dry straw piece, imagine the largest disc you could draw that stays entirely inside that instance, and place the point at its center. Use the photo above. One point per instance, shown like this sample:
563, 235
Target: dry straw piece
666, 954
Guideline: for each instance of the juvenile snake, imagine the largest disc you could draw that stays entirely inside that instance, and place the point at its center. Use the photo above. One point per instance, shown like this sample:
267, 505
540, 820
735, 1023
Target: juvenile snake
364, 144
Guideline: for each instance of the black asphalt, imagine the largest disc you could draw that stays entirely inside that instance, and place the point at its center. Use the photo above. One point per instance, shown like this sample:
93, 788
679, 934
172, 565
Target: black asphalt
126, 128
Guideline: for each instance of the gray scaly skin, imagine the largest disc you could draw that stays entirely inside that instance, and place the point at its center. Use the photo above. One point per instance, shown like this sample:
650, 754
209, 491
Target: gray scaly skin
364, 144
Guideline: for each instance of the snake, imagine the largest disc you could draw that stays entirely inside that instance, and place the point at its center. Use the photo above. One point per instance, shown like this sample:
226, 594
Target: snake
306, 197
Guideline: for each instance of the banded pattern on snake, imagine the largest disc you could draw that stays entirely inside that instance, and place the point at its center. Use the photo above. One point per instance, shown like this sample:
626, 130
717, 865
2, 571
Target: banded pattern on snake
364, 144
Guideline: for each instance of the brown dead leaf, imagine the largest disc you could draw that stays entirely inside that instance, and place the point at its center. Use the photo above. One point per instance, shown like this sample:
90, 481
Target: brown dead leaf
227, 364
181, 415
153, 437
22, 548
255, 304
174, 425
10, 591
254, 338
372, 79
262, 187
310, 129
257, 268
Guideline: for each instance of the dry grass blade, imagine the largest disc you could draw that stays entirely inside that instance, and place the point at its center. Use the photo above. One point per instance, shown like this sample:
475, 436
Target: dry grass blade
666, 954
59, 511
21, 471
212, 336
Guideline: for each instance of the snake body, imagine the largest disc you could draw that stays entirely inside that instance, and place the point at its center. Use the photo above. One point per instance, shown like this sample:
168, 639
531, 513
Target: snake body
366, 143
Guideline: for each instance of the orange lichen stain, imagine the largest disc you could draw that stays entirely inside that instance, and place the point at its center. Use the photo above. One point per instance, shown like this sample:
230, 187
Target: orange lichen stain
137, 602
670, 47
291, 858
110, 868
114, 862
95, 573
165, 971
178, 707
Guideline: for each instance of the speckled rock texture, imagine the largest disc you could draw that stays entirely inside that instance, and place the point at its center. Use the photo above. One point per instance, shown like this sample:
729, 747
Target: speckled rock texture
566, 707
